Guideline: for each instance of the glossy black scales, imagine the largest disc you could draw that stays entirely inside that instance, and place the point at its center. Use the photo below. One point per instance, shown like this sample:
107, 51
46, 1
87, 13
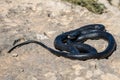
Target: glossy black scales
71, 44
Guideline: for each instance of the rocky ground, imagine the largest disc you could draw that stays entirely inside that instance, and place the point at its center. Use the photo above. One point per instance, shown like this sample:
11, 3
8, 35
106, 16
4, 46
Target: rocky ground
43, 20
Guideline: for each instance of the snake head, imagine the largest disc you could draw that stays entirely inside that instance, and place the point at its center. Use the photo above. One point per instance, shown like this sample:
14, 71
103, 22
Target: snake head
100, 27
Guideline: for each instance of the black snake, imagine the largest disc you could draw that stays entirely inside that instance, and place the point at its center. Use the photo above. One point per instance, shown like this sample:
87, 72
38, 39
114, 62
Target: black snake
71, 44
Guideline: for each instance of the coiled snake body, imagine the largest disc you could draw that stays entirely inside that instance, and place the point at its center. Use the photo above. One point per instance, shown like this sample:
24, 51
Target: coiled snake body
71, 44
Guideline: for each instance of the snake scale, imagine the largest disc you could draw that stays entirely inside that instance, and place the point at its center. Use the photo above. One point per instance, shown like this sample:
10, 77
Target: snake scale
71, 44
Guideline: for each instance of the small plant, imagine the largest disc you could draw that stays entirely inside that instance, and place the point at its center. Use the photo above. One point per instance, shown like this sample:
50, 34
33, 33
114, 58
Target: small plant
91, 5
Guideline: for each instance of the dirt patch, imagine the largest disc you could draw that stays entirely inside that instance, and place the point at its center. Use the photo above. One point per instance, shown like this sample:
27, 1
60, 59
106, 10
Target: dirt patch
43, 20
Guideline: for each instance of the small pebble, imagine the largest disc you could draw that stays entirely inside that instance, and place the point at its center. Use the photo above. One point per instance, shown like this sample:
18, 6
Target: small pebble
14, 55
22, 70
41, 37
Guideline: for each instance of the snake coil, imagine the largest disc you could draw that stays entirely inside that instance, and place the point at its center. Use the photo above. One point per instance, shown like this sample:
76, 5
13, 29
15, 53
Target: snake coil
71, 44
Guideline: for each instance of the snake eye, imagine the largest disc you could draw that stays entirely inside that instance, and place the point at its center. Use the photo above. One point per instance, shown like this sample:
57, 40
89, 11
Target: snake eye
72, 36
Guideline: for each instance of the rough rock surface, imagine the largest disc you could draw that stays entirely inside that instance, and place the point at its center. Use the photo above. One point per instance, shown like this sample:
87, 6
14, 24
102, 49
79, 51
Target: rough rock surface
43, 20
